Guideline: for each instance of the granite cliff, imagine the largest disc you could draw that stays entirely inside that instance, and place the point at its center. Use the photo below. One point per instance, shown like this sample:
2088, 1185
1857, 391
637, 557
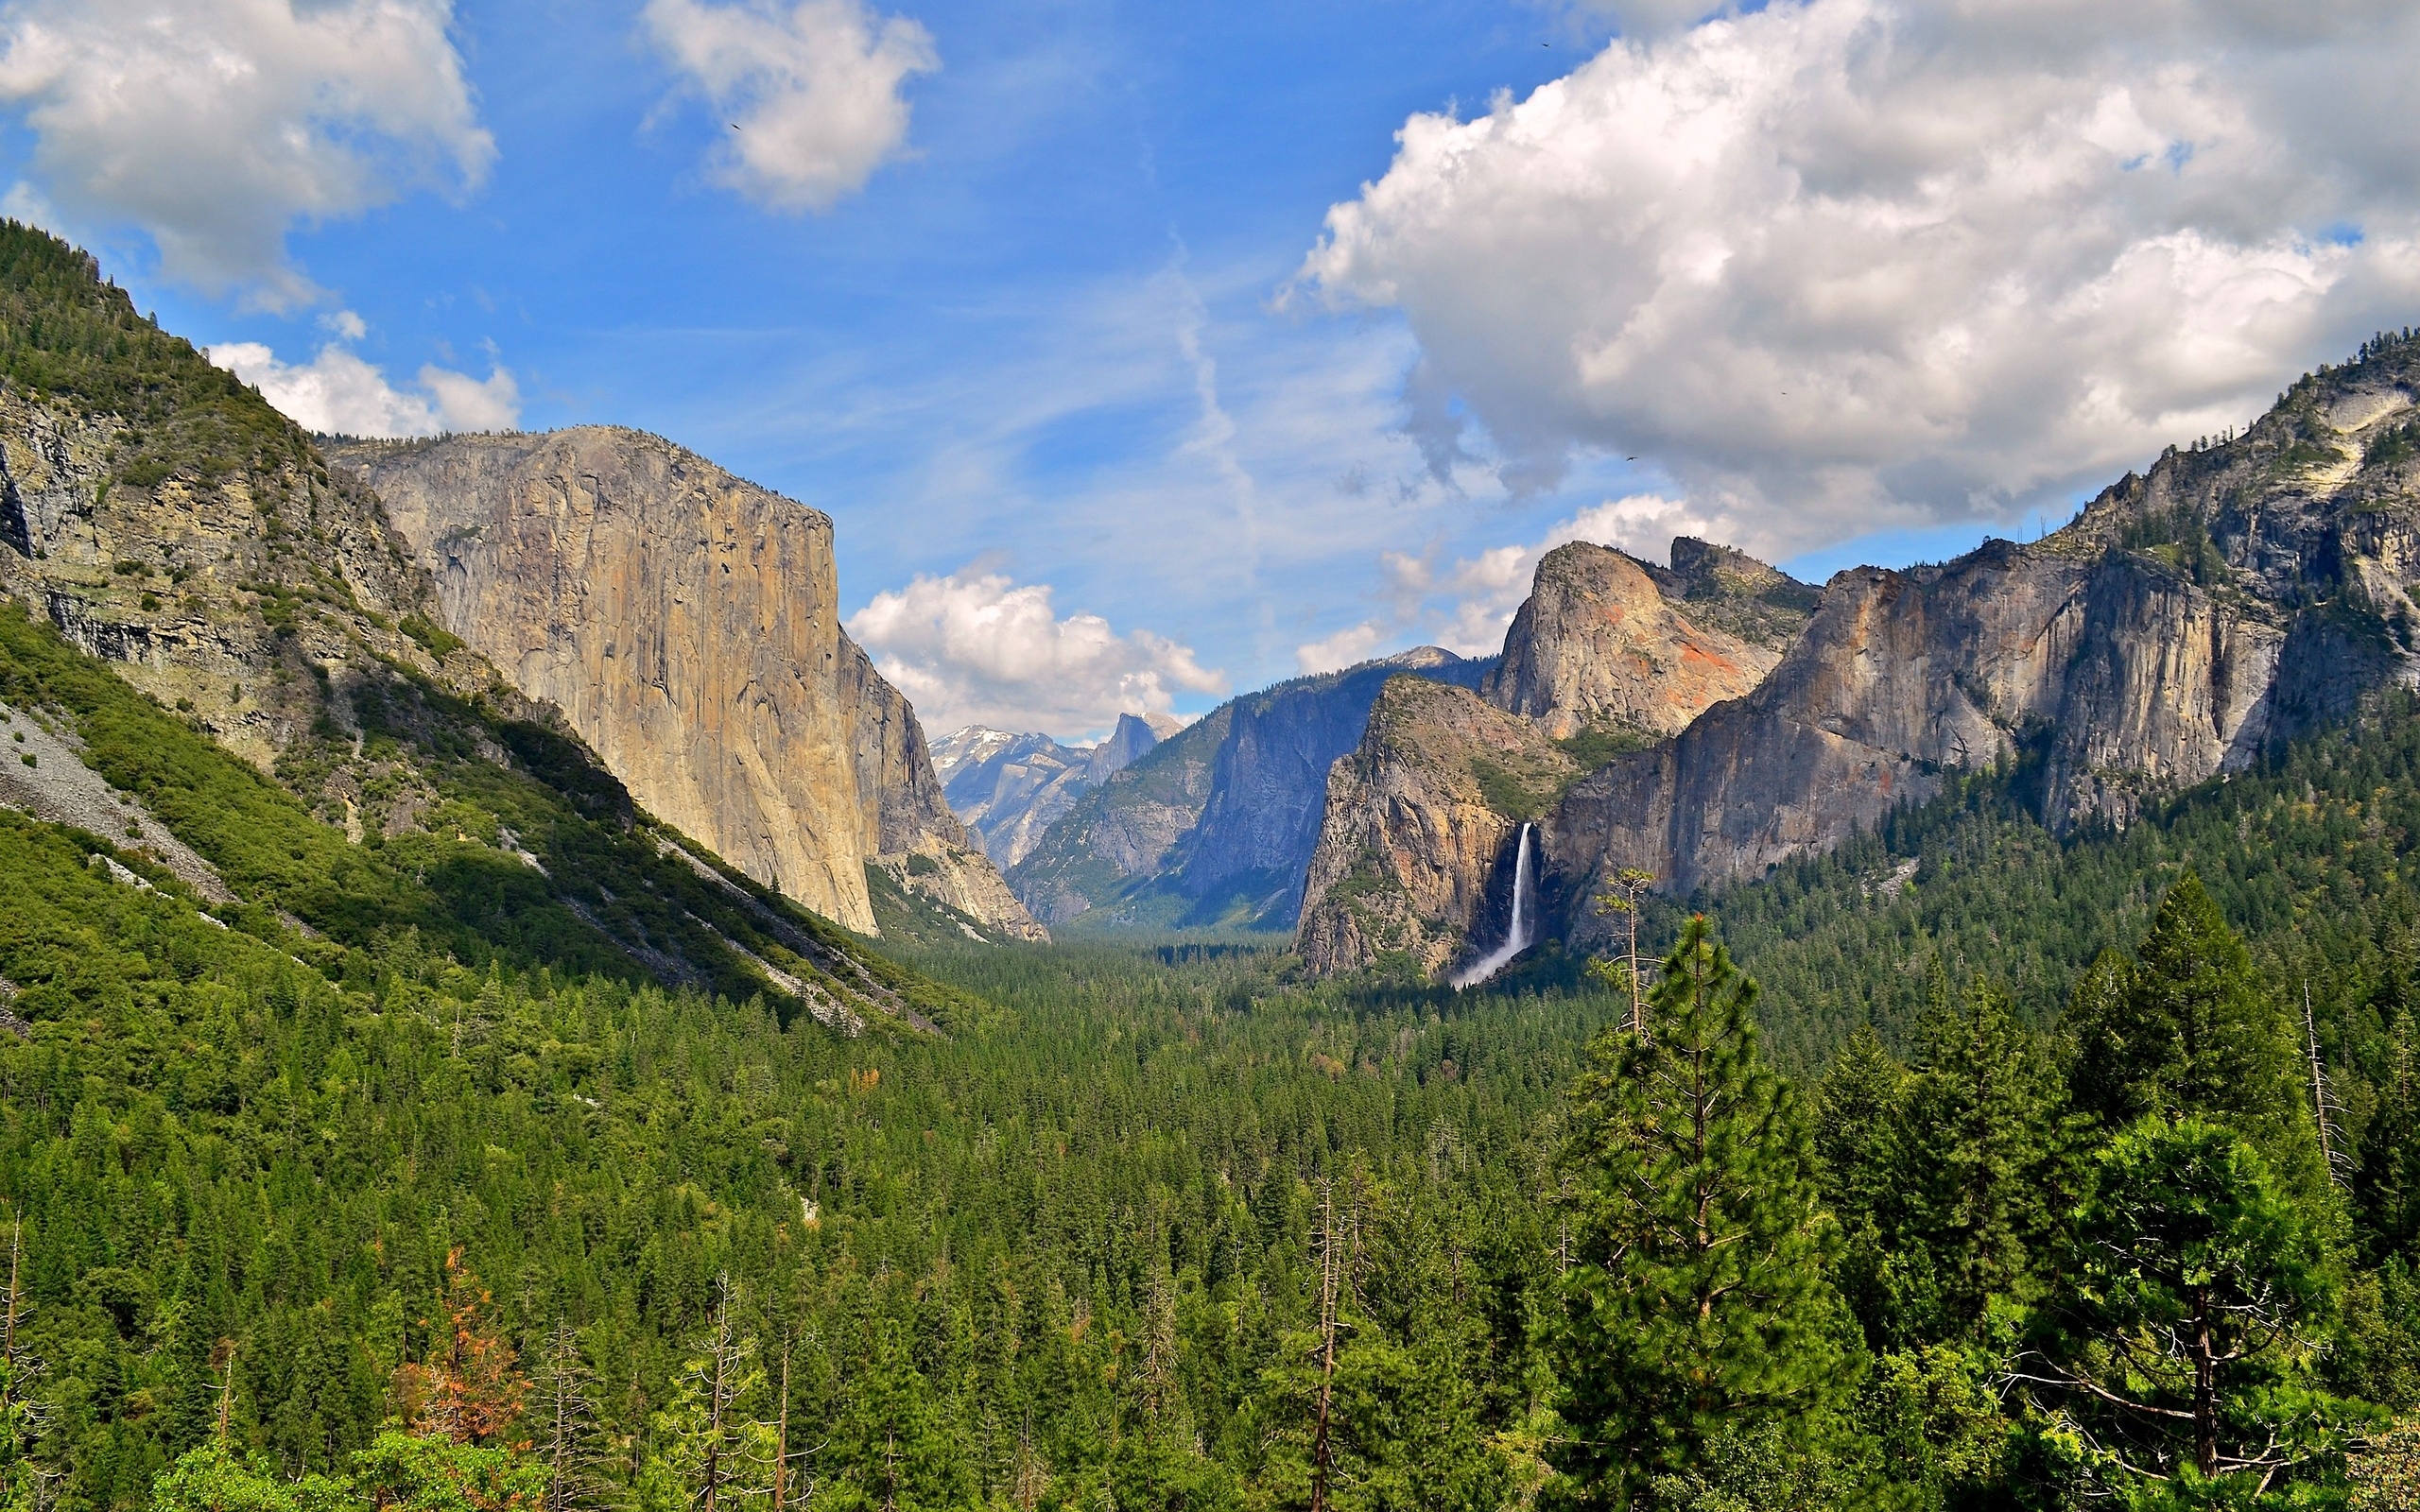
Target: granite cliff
1608, 654
1009, 787
687, 624
1217, 823
1607, 640
185, 582
2236, 594
1419, 831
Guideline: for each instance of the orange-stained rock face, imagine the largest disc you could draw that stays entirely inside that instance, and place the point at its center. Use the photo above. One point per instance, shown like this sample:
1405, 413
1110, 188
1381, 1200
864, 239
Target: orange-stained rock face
686, 623
1601, 641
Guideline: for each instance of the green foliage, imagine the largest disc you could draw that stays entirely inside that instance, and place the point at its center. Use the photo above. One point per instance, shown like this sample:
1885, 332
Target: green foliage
2188, 1342
2188, 1030
609, 900
1595, 745
1699, 1302
438, 643
65, 334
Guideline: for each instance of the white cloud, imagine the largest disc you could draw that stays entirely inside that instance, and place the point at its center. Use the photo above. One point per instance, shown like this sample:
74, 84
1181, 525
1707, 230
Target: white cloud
338, 393
813, 90
1346, 647
975, 648
216, 125
1466, 606
468, 404
1851, 264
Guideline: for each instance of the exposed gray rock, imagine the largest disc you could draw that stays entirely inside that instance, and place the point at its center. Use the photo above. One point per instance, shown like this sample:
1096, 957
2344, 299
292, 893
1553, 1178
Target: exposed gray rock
1219, 822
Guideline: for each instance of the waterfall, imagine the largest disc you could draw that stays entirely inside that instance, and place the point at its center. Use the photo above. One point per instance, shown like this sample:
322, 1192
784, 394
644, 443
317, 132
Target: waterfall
1517, 938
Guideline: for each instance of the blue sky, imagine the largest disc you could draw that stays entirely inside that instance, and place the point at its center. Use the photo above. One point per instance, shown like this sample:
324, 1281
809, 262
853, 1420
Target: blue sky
1064, 336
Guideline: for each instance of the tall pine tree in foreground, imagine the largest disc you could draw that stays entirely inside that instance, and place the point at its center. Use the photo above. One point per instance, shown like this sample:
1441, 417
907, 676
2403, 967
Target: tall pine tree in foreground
1698, 1300
2182, 1364
2188, 1030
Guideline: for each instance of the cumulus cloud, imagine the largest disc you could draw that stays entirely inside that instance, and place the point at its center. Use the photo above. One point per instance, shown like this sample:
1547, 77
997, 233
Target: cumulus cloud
1346, 647
1851, 264
338, 393
813, 90
978, 649
1465, 605
216, 125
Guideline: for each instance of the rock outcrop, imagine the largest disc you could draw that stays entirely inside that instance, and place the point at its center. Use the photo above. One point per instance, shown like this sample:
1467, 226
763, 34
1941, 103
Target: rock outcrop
1607, 640
2236, 594
1218, 824
1420, 822
2232, 598
1009, 788
686, 623
249, 598
1608, 653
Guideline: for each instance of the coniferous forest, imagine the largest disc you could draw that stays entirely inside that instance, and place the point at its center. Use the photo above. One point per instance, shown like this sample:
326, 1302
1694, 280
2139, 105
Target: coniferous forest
2029, 1182
1969, 1166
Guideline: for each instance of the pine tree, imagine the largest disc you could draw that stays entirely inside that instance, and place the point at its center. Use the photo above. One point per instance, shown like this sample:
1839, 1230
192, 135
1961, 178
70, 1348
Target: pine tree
711, 1454
2198, 1306
1699, 1298
2190, 1031
1857, 1129
1981, 1116
1857, 1145
567, 1439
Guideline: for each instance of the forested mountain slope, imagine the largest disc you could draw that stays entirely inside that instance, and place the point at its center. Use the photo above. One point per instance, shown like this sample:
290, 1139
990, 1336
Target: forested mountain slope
244, 601
1215, 825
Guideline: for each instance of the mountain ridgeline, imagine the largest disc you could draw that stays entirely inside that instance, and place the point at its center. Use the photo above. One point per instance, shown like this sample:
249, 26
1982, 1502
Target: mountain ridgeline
2189, 619
1217, 824
1010, 787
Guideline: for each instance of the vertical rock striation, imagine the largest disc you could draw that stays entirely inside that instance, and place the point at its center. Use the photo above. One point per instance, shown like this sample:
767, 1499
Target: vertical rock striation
686, 623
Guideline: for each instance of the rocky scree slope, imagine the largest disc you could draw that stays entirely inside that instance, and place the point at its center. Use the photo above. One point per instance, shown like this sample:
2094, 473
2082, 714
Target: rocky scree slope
186, 582
1608, 654
1009, 787
1217, 824
687, 624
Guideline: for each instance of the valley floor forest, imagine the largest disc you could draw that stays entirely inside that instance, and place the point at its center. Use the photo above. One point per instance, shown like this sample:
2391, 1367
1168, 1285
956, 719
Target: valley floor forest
1967, 1166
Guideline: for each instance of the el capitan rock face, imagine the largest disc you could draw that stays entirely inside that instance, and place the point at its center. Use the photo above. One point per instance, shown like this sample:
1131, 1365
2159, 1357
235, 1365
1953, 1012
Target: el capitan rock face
686, 623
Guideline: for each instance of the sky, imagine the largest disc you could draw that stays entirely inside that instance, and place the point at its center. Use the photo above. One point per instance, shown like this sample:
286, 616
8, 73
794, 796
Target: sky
1147, 354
